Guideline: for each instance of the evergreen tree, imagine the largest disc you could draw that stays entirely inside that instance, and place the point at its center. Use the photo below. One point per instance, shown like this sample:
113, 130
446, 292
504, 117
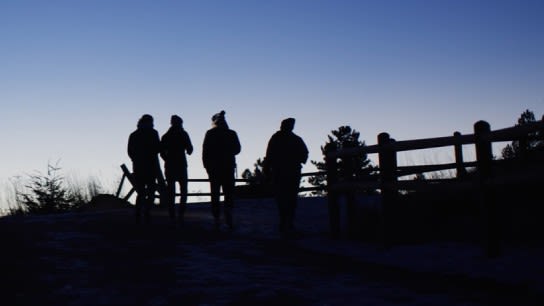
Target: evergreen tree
258, 186
342, 138
47, 193
535, 140
257, 176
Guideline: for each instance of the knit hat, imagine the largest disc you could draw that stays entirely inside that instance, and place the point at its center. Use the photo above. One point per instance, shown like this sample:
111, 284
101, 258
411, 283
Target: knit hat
176, 120
288, 124
219, 118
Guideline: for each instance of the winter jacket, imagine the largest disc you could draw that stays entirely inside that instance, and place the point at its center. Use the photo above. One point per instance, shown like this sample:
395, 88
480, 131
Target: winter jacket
285, 153
143, 149
174, 144
219, 149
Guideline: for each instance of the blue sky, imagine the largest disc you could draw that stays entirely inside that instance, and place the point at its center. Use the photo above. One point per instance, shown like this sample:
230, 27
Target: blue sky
76, 75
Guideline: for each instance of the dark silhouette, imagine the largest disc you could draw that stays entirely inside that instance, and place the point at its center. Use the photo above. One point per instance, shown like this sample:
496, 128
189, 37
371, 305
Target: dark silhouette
527, 146
257, 184
219, 149
143, 150
285, 154
174, 144
358, 167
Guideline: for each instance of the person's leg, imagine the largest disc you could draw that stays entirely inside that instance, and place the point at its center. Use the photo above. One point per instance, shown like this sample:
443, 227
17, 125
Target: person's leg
150, 189
215, 187
292, 193
280, 196
170, 198
228, 183
140, 198
183, 194
291, 206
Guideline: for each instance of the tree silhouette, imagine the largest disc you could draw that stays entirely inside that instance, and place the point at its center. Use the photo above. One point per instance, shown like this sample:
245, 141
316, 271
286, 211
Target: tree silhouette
358, 168
47, 193
257, 176
257, 184
534, 141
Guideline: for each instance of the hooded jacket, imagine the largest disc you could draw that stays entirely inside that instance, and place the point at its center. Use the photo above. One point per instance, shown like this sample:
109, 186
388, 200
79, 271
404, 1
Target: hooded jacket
219, 149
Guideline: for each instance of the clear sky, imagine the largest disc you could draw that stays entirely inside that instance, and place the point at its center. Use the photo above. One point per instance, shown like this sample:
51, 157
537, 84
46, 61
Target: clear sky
75, 76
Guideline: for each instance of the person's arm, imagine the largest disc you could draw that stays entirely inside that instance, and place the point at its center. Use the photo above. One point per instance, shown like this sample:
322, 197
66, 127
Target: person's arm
189, 148
130, 147
303, 151
236, 144
156, 142
269, 156
205, 153
164, 147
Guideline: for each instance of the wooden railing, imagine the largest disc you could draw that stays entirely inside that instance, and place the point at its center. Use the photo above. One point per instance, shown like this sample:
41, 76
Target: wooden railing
385, 177
127, 175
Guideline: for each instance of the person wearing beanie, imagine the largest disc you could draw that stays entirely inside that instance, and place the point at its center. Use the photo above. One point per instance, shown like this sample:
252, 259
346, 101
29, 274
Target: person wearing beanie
285, 154
175, 144
143, 149
219, 149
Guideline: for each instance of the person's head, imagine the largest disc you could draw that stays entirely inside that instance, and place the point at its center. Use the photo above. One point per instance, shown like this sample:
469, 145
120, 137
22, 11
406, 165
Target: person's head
288, 124
219, 119
146, 121
176, 121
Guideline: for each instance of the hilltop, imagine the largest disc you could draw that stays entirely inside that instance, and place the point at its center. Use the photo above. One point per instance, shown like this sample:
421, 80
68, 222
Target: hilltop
102, 257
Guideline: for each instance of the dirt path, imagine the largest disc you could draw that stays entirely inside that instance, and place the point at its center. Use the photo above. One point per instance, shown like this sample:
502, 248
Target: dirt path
106, 259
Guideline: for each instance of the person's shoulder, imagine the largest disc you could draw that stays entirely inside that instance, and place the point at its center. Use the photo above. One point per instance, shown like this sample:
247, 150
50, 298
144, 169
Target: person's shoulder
136, 133
276, 134
301, 141
209, 132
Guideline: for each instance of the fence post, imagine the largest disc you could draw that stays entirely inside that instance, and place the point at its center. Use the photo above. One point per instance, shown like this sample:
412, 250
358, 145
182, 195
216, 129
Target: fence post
522, 149
332, 196
484, 156
349, 165
388, 168
120, 185
128, 175
460, 168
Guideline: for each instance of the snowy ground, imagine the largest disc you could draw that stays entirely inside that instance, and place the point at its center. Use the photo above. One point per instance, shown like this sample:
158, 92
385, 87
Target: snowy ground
104, 258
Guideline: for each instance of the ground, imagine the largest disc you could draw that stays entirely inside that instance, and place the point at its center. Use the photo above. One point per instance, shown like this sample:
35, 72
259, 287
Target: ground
104, 258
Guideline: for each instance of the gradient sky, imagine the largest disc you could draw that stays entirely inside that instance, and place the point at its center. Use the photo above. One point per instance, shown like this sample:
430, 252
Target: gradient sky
75, 76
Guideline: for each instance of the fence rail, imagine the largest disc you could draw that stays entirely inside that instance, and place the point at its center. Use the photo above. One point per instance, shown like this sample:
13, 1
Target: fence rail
127, 175
385, 178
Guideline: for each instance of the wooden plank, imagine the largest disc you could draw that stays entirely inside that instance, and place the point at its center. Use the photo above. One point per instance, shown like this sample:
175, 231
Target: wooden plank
120, 185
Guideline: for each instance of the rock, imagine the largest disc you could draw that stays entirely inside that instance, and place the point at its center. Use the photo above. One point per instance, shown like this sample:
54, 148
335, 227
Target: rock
107, 201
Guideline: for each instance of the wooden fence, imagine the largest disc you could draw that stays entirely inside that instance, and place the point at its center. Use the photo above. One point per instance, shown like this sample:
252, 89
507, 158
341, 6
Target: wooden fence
127, 175
385, 179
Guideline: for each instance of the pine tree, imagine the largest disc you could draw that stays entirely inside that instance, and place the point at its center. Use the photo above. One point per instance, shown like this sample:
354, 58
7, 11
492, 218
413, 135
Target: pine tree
47, 193
342, 138
257, 176
535, 140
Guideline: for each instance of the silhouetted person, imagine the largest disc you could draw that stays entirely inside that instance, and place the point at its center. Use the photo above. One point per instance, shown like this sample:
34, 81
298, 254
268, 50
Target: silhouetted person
143, 150
219, 149
285, 154
174, 144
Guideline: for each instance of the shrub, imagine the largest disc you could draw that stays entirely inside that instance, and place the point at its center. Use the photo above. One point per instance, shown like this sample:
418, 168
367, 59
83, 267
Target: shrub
48, 193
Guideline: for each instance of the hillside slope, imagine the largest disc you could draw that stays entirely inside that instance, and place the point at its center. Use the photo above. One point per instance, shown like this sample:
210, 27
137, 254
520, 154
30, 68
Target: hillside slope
104, 258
